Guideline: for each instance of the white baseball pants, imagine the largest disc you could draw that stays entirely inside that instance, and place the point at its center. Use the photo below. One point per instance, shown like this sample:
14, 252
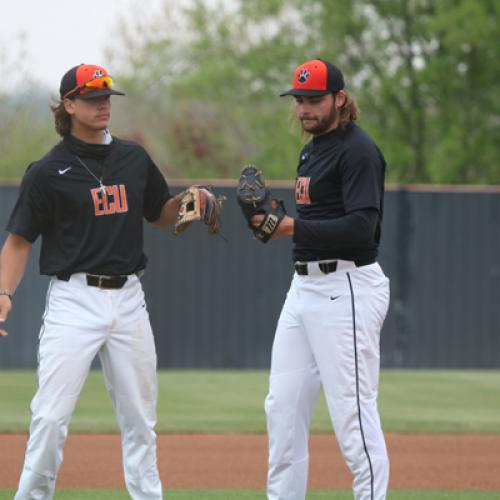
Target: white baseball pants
81, 321
328, 335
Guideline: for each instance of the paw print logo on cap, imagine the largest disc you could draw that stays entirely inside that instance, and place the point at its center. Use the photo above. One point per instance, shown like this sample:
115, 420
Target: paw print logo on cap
304, 75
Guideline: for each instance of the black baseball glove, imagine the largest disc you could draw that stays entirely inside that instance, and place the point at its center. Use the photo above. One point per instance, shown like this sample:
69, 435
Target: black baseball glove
254, 198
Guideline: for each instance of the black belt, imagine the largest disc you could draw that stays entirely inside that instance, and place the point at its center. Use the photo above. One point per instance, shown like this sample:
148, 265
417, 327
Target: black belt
99, 280
327, 267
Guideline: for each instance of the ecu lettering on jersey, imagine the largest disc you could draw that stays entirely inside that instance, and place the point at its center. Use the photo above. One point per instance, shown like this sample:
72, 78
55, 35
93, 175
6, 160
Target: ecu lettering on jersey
110, 200
302, 191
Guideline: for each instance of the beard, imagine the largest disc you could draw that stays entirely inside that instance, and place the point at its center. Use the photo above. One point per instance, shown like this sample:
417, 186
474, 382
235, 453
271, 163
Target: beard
319, 127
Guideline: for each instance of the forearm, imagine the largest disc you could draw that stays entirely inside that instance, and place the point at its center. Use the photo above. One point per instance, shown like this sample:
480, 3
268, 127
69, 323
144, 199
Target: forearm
286, 227
13, 260
169, 212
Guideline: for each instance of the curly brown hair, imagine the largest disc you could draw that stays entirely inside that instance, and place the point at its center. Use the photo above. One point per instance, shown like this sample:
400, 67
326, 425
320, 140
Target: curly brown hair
62, 119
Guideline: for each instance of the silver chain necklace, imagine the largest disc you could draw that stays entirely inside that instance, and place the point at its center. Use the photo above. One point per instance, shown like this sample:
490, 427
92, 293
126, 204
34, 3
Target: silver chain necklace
102, 187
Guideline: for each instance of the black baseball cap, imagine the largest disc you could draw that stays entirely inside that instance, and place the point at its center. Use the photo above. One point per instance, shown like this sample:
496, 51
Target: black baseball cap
316, 77
87, 81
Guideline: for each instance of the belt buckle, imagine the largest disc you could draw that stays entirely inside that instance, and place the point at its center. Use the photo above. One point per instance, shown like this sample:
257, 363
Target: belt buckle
101, 280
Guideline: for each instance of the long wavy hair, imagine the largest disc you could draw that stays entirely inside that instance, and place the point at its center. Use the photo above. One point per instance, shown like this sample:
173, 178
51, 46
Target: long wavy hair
62, 119
349, 111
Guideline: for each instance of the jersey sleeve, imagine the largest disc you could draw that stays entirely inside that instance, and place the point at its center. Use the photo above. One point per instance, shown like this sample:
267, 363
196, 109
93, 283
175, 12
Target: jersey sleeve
33, 210
354, 230
156, 193
362, 176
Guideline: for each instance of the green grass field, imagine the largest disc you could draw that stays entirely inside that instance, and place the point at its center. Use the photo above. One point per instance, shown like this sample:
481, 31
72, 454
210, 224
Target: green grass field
410, 401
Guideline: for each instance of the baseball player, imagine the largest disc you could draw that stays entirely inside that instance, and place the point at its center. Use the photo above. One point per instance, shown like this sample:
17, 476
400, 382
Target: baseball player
329, 328
87, 198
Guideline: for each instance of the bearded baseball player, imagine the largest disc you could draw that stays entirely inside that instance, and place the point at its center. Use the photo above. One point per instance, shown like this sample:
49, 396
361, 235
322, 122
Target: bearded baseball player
87, 198
329, 328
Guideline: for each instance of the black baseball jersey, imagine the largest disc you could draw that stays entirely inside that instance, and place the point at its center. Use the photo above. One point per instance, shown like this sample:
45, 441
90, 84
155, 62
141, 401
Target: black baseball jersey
86, 227
339, 195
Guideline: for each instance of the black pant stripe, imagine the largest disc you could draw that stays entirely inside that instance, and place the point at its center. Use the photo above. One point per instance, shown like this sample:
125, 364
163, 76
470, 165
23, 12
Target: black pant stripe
357, 385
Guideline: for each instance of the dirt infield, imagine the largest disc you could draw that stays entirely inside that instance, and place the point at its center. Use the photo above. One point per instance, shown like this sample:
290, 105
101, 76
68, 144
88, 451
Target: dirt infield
239, 461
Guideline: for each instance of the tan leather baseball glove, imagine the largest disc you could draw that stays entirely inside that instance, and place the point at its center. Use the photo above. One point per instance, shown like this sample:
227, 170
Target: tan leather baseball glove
199, 203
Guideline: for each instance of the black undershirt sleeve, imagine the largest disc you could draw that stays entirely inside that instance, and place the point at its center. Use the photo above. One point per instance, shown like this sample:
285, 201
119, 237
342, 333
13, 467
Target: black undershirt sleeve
354, 230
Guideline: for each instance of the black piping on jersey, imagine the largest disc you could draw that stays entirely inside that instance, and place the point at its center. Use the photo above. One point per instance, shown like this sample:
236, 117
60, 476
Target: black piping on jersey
357, 384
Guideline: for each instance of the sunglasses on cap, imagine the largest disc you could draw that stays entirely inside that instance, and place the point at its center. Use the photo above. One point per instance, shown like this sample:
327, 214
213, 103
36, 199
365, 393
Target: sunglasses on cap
101, 83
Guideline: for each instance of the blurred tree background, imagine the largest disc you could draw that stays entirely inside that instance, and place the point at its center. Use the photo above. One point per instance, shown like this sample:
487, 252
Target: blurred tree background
26, 129
203, 78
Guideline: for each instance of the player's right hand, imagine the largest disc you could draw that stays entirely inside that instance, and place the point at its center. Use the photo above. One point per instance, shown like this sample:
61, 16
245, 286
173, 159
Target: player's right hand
5, 307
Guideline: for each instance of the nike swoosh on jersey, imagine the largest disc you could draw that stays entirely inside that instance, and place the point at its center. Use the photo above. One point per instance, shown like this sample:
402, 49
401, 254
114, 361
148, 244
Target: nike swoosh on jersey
61, 172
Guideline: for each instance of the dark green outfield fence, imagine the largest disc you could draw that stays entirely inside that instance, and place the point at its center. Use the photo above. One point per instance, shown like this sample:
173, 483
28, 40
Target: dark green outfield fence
215, 304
